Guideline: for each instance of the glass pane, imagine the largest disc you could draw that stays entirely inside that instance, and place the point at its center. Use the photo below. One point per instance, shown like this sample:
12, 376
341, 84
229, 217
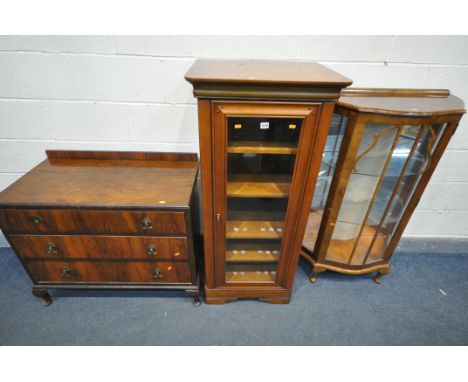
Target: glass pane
325, 176
372, 159
260, 164
380, 187
417, 162
372, 243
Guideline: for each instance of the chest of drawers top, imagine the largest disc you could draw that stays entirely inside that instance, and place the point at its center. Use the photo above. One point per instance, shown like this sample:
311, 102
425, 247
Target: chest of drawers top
106, 180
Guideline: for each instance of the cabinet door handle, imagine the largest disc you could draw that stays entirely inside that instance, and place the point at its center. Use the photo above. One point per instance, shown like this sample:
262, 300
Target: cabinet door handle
147, 223
152, 250
52, 249
218, 217
65, 272
36, 219
157, 273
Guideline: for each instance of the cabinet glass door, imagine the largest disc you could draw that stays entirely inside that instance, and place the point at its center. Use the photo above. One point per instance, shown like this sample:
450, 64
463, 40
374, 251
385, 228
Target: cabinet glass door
261, 154
388, 166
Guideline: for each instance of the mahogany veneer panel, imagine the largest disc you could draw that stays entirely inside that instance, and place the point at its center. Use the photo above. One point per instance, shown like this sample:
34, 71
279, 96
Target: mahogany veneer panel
101, 247
91, 221
115, 272
108, 181
264, 72
417, 106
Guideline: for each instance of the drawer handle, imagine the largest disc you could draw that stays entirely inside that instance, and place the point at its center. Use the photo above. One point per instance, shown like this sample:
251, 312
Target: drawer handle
36, 219
147, 223
157, 273
52, 248
152, 250
65, 272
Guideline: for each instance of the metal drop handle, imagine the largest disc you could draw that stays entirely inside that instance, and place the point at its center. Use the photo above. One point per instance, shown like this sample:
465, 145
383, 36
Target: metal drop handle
65, 272
147, 223
157, 273
152, 250
36, 219
52, 248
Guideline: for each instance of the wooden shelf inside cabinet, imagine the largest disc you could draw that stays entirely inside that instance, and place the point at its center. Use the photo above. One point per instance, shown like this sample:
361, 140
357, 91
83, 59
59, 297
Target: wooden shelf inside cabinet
258, 186
340, 250
250, 277
251, 256
254, 229
262, 147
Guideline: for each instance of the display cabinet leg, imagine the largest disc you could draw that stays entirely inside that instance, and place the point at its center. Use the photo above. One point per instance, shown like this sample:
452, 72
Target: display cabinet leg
313, 277
196, 301
42, 293
196, 297
378, 277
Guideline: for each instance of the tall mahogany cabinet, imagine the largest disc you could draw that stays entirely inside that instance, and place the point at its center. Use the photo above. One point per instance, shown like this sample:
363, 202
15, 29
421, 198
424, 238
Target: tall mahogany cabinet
263, 127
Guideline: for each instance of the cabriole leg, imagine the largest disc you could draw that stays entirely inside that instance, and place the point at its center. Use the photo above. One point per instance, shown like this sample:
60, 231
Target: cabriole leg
313, 277
42, 293
196, 297
377, 278
315, 271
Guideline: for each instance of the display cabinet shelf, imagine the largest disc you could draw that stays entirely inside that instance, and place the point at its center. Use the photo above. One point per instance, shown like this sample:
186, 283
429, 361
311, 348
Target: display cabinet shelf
254, 229
251, 277
251, 272
253, 250
367, 165
258, 186
259, 147
382, 149
243, 256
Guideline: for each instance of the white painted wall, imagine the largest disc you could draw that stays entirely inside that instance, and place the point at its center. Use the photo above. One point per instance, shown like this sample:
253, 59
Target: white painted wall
129, 93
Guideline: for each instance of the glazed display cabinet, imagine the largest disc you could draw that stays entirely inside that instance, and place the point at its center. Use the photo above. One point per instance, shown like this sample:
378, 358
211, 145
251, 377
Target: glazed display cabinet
262, 130
382, 148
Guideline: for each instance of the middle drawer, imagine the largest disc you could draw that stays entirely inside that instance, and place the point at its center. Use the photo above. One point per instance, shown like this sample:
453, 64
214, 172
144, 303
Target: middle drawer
101, 247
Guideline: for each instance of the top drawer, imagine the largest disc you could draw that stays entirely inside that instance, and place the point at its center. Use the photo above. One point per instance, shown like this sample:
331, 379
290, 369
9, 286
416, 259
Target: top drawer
92, 221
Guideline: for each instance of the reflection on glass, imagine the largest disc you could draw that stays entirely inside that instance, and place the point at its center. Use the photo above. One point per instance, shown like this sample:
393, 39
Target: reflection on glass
325, 176
260, 164
389, 164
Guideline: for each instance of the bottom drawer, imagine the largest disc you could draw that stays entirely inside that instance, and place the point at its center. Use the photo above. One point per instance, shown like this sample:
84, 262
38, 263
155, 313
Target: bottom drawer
110, 272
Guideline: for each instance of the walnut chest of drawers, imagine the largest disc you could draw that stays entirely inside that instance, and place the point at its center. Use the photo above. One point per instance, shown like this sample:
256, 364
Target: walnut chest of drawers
102, 220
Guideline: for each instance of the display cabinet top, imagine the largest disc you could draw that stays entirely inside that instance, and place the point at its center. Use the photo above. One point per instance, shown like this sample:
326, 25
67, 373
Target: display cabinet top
405, 102
101, 179
264, 72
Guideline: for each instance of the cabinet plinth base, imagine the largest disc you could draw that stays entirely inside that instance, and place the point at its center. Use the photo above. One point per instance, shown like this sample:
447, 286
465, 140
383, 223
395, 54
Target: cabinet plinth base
229, 294
276, 300
218, 301
381, 269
